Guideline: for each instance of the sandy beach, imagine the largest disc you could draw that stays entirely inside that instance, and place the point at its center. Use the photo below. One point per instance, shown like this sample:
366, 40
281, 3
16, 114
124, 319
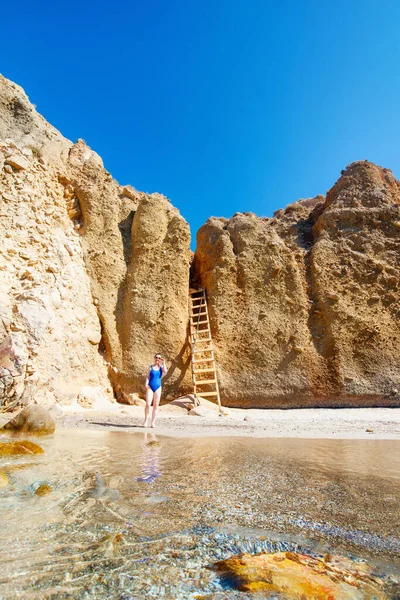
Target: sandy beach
175, 420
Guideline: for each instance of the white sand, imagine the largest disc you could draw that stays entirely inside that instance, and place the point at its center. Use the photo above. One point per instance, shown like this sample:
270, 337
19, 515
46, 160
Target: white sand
338, 423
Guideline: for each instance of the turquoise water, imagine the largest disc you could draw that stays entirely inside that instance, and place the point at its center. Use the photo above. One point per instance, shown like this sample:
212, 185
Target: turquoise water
134, 515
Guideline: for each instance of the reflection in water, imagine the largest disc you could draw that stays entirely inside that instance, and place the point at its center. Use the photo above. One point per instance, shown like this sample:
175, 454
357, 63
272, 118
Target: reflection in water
104, 533
149, 463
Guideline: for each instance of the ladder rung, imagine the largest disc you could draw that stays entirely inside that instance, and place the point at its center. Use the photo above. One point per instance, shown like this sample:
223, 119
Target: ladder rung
203, 350
199, 320
203, 360
198, 314
205, 381
192, 293
210, 370
201, 341
201, 300
202, 331
208, 393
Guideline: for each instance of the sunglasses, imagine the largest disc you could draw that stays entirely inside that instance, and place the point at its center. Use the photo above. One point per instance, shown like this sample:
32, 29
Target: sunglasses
158, 357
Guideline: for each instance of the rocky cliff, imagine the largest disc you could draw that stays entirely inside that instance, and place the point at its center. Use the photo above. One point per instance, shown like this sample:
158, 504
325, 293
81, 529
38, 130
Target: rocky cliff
80, 319
304, 306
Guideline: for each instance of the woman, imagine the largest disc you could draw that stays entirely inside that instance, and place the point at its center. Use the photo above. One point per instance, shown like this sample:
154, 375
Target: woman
155, 373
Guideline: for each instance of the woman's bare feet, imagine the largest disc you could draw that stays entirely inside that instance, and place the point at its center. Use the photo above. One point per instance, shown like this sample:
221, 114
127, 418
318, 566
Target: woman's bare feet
153, 425
144, 424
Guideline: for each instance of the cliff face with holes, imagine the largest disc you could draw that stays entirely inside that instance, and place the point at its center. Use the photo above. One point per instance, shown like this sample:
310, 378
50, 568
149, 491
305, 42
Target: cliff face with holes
305, 307
94, 280
82, 309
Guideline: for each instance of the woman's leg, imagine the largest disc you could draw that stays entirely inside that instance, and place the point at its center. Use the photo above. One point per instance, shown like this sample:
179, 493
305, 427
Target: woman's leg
149, 397
156, 402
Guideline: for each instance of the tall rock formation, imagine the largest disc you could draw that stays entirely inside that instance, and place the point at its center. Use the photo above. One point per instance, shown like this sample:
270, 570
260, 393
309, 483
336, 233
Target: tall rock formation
304, 307
72, 324
355, 272
94, 280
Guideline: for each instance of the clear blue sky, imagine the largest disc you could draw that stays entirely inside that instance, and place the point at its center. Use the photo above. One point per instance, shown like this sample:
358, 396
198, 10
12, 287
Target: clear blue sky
222, 105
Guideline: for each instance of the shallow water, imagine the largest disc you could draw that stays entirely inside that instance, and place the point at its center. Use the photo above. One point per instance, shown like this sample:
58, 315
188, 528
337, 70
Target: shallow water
134, 515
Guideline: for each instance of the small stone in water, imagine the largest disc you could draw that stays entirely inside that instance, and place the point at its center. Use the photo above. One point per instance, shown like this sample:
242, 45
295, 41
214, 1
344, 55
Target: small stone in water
43, 490
4, 481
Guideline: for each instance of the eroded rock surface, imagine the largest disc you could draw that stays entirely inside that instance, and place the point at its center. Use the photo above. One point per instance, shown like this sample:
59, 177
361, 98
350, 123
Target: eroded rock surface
94, 280
69, 319
155, 306
46, 307
304, 307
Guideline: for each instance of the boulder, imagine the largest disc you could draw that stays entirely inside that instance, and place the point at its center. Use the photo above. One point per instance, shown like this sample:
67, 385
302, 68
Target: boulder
302, 576
32, 419
20, 447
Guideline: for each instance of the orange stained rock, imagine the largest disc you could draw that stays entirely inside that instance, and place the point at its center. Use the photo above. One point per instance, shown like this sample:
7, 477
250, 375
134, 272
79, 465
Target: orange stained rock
299, 576
43, 490
4, 481
20, 447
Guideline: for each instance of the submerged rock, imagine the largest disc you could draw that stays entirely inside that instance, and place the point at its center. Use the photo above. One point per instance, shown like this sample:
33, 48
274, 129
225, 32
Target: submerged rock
20, 447
301, 576
43, 490
4, 480
32, 419
109, 545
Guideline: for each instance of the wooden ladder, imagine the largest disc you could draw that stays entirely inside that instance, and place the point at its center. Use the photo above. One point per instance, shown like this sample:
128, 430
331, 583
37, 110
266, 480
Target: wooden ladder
203, 362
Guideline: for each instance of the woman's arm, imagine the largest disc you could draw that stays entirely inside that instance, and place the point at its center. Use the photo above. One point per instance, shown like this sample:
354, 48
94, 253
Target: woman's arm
164, 367
147, 377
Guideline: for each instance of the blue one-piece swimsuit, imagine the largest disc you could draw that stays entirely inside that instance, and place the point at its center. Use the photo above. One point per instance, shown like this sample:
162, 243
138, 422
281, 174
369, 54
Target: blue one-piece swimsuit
155, 378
